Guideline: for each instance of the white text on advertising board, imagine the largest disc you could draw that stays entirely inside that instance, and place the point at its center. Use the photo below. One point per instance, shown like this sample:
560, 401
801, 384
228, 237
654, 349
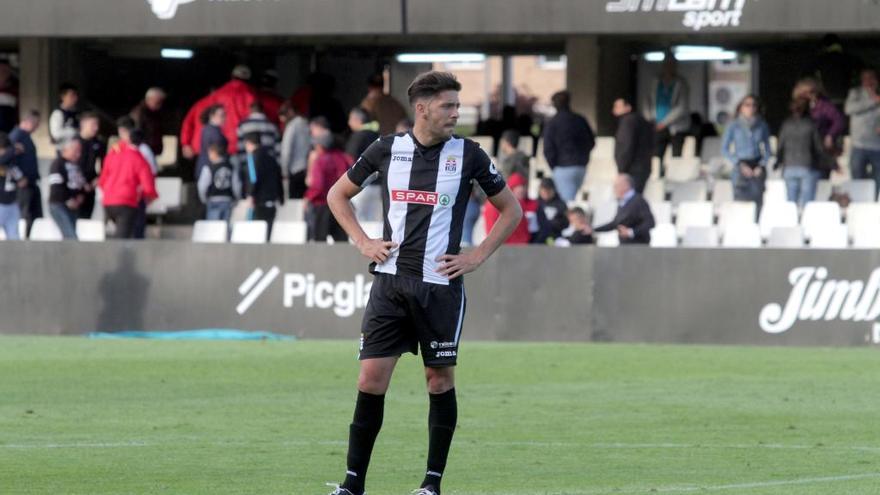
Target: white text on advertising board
698, 14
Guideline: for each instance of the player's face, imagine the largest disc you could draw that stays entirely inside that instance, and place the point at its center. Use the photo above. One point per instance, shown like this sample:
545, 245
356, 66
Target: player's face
442, 114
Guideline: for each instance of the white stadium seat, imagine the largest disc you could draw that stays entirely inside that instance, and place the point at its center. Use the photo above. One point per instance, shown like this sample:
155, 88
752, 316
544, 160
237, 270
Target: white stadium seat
786, 237
170, 198
250, 232
711, 148
289, 232
604, 213
860, 190
736, 213
662, 211
604, 148
44, 229
830, 237
664, 236
700, 237
291, 211
862, 217
682, 169
693, 214
688, 191
90, 230
599, 193
867, 239
210, 231
819, 216
655, 191
607, 239
784, 214
823, 190
775, 191
742, 235
600, 170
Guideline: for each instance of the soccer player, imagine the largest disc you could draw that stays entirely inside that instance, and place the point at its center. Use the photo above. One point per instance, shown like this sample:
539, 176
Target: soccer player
417, 301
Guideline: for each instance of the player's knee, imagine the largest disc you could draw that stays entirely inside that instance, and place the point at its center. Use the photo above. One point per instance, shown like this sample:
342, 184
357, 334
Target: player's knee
439, 380
372, 382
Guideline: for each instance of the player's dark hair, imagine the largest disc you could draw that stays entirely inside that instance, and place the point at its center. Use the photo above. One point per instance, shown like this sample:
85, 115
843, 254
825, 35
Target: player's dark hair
561, 100
430, 84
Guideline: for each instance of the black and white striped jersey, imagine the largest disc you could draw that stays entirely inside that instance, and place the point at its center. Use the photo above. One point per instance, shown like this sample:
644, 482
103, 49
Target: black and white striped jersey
425, 192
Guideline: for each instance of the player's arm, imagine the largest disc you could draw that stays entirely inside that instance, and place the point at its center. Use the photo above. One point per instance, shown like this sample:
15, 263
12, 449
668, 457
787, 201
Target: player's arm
339, 200
456, 265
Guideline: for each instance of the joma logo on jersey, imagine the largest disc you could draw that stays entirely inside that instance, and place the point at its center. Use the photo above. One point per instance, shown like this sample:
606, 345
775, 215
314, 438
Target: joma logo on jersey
401, 158
420, 197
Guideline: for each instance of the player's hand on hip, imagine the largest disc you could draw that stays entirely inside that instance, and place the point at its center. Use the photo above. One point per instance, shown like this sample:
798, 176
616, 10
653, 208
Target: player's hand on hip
456, 265
376, 250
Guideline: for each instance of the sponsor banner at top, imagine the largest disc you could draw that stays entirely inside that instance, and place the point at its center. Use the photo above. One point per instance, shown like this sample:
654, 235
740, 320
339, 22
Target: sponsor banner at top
697, 14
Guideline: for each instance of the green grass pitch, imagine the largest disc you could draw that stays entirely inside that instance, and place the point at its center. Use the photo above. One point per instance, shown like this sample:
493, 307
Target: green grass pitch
138, 417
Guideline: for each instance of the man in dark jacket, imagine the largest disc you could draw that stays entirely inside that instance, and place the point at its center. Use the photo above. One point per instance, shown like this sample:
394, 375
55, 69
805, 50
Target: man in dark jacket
30, 200
634, 219
568, 140
263, 185
148, 117
93, 150
633, 144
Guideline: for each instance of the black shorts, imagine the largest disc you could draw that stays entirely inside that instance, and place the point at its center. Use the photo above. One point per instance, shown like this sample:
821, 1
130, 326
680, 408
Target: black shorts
405, 314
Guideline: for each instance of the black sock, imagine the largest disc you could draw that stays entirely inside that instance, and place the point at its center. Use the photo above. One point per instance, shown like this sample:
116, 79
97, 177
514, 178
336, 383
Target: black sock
441, 426
364, 429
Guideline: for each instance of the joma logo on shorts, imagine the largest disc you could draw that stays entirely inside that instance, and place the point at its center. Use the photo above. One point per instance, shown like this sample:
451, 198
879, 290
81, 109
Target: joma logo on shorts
418, 197
447, 354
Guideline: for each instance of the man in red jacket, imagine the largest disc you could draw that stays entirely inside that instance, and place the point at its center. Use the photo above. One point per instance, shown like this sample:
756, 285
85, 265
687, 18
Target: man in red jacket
529, 223
236, 96
126, 178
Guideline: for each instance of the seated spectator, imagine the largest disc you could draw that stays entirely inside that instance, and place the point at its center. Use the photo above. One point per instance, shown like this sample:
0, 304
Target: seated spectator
265, 190
11, 180
219, 185
582, 232
551, 213
125, 179
64, 120
66, 188
799, 152
528, 225
513, 160
634, 219
329, 164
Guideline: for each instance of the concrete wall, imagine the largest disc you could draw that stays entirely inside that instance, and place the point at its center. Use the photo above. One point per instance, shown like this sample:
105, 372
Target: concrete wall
628, 294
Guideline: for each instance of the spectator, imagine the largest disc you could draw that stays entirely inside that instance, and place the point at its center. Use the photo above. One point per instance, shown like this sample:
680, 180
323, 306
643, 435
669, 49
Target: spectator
667, 107
296, 143
330, 163
93, 150
513, 160
64, 120
829, 122
147, 116
551, 213
125, 179
799, 151
257, 123
634, 219
863, 108
219, 184
368, 203
263, 180
384, 107
268, 98
582, 232
66, 188
568, 140
746, 145
236, 97
214, 120
529, 223
11, 180
633, 144
404, 126
30, 200
8, 98
140, 221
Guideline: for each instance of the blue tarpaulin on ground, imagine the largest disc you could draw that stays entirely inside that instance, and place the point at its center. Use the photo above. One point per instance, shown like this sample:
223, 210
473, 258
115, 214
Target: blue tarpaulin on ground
206, 334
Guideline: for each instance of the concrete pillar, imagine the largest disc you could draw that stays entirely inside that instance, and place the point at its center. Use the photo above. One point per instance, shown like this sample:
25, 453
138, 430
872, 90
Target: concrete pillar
36, 83
508, 92
582, 74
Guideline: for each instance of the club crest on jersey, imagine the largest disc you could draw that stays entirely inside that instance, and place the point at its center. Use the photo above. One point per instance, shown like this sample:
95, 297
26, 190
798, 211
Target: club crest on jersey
420, 197
451, 165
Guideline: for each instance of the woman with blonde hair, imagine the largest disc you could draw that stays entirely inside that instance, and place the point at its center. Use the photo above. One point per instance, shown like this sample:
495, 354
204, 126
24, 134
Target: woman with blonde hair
829, 121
